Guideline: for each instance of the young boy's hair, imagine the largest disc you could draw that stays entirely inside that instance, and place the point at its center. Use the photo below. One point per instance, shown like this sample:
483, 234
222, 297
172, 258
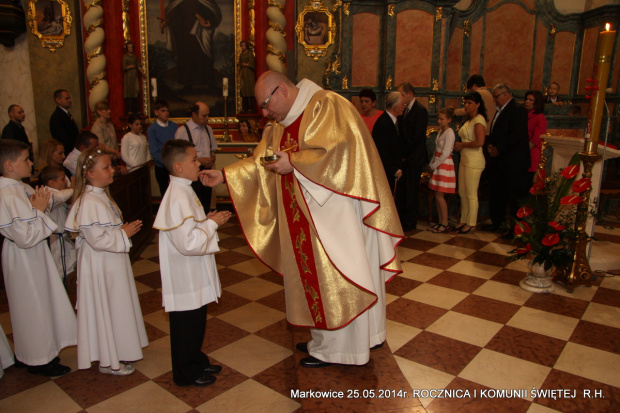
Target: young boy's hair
50, 173
10, 150
160, 104
173, 151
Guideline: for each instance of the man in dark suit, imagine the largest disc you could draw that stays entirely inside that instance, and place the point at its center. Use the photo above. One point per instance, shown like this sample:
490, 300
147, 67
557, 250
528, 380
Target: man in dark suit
412, 124
14, 129
508, 147
62, 126
387, 140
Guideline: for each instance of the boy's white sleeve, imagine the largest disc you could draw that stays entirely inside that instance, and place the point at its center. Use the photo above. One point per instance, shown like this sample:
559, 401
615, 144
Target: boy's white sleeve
108, 238
192, 238
26, 233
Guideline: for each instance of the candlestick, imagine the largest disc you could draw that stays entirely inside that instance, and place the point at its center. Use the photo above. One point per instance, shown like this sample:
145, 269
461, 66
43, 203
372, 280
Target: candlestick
154, 87
225, 86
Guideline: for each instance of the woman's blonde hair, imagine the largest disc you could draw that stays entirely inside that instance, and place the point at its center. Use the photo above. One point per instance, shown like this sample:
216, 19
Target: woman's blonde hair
103, 105
85, 163
45, 152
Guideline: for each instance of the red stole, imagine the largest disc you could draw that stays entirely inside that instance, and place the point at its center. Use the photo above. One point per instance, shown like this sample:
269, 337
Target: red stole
300, 230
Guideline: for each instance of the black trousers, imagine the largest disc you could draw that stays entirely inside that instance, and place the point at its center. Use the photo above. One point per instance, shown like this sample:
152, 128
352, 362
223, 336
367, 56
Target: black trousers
506, 189
406, 200
163, 179
187, 330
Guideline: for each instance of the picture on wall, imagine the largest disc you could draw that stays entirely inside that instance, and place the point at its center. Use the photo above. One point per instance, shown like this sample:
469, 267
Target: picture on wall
191, 49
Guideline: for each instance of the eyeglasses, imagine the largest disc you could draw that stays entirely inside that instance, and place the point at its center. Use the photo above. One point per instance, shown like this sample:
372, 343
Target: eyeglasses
498, 95
266, 102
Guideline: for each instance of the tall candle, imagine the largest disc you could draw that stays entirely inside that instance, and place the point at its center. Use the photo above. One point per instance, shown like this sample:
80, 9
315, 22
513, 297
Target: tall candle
604, 53
225, 86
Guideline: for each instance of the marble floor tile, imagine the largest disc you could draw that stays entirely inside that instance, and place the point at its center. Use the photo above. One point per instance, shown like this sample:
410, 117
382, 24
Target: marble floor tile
400, 285
611, 283
496, 248
232, 243
580, 293
252, 317
508, 276
429, 259
435, 295
489, 258
44, 398
280, 333
148, 397
603, 314
439, 352
418, 272
245, 250
156, 359
586, 400
5, 321
503, 292
483, 370
413, 314
230, 277
519, 265
542, 322
262, 398
399, 334
421, 377
272, 277
590, 363
439, 237
153, 333
150, 302
457, 281
18, 380
251, 355
230, 258
152, 250
526, 345
227, 302
537, 408
471, 243
452, 251
598, 336
142, 267
219, 333
251, 267
275, 301
280, 377
254, 288
607, 296
152, 279
417, 244
405, 254
486, 308
475, 403
472, 330
558, 304
475, 269
158, 319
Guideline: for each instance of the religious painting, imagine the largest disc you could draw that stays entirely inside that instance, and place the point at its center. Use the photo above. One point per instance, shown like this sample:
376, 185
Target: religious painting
190, 47
315, 29
50, 20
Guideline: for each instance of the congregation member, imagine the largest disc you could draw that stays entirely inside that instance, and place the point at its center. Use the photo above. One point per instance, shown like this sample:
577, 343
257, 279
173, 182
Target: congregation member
134, 146
443, 178
110, 325
104, 128
536, 126
162, 130
473, 136
14, 129
552, 94
190, 281
42, 318
328, 201
85, 140
197, 131
387, 140
370, 113
62, 125
51, 153
509, 151
476, 83
412, 124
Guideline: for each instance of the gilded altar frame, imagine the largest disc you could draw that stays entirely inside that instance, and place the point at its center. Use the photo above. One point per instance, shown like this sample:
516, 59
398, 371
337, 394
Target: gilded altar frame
50, 21
154, 54
316, 29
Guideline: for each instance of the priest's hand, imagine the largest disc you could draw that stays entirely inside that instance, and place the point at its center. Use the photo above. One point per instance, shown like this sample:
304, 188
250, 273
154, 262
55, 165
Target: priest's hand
132, 228
211, 177
40, 198
283, 165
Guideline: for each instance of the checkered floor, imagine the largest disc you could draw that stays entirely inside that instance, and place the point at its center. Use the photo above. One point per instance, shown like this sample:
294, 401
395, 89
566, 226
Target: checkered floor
462, 333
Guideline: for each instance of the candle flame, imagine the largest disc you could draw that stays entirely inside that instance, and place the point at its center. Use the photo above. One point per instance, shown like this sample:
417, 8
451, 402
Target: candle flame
607, 26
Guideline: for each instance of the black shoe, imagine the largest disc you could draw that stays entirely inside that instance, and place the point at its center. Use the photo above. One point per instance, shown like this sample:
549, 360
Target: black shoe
21, 365
50, 369
377, 346
491, 228
303, 347
212, 369
313, 362
202, 381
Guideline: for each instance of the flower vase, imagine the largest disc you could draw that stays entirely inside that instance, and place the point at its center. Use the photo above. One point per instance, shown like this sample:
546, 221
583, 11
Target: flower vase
538, 280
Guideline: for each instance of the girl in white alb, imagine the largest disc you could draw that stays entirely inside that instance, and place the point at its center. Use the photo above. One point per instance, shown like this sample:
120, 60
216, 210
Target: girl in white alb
110, 325
134, 146
443, 180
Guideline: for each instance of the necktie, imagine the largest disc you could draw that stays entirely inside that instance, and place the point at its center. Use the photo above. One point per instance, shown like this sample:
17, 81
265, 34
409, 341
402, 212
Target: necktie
405, 111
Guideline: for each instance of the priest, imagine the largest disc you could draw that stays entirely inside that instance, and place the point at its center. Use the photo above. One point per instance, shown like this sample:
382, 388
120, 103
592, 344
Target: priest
321, 215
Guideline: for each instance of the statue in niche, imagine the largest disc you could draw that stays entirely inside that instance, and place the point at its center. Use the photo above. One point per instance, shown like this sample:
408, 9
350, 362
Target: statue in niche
131, 89
246, 73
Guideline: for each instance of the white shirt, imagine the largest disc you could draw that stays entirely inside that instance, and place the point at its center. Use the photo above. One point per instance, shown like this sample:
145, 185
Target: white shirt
135, 150
204, 141
71, 161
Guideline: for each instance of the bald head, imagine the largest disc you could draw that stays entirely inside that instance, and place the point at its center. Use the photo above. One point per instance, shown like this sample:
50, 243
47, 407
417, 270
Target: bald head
16, 113
200, 113
275, 94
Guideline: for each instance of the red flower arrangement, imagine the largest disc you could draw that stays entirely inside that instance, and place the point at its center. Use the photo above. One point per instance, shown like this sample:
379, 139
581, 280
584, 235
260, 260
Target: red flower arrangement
545, 226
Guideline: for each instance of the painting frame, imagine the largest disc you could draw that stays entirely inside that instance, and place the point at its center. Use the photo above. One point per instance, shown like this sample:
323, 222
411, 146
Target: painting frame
158, 64
316, 29
50, 21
